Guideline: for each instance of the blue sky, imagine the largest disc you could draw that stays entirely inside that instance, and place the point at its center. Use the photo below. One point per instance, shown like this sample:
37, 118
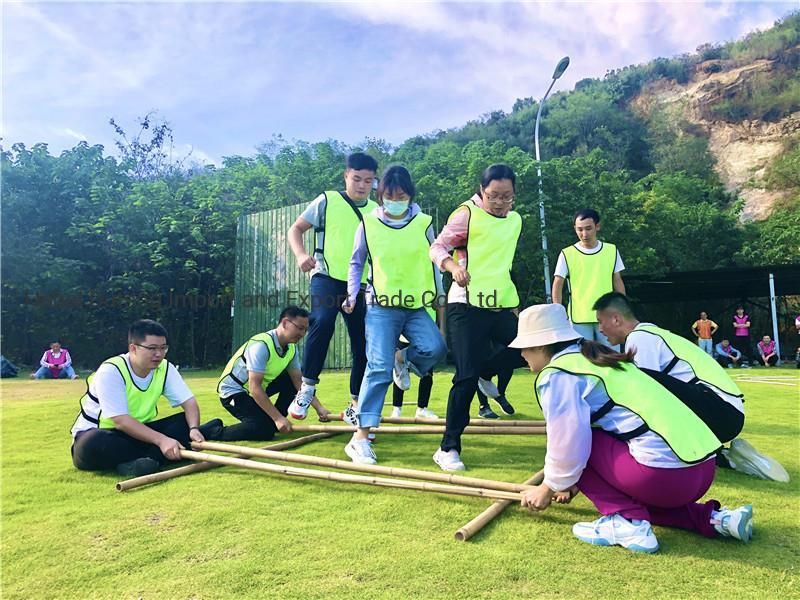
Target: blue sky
229, 75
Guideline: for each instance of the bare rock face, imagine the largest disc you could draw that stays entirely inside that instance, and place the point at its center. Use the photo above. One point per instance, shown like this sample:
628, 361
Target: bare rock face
744, 150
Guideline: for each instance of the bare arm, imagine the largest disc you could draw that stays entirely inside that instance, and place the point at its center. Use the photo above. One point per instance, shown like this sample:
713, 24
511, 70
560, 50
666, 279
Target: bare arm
619, 285
255, 383
714, 327
558, 289
694, 329
295, 236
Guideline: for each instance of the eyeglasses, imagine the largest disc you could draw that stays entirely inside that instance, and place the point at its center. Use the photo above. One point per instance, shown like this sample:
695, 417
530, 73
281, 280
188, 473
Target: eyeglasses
299, 328
505, 199
164, 348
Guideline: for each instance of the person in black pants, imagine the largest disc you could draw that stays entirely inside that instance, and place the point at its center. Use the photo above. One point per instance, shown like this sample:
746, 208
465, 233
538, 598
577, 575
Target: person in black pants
117, 427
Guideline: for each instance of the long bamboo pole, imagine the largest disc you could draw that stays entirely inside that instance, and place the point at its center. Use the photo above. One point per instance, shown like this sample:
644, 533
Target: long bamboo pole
495, 510
198, 467
350, 466
435, 429
347, 478
472, 422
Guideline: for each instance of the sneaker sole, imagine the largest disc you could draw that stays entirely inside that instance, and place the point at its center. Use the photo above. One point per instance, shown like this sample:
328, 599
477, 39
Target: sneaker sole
765, 466
605, 542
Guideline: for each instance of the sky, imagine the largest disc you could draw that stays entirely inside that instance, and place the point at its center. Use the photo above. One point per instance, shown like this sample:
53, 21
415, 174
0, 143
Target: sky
228, 75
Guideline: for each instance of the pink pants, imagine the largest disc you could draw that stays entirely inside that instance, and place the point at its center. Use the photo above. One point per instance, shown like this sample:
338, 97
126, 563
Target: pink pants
616, 483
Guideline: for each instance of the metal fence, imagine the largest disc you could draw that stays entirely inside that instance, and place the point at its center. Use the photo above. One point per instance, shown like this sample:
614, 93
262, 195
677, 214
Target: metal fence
268, 279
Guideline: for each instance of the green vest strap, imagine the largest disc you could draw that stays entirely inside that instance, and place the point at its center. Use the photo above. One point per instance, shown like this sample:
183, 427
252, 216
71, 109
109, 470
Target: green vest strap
491, 245
706, 369
663, 413
590, 276
402, 273
341, 221
276, 364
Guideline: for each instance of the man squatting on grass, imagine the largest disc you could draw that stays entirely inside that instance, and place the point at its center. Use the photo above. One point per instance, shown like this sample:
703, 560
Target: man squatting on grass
693, 376
117, 426
265, 365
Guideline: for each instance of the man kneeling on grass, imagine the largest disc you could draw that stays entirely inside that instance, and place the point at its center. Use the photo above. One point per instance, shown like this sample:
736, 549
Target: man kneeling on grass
266, 365
117, 426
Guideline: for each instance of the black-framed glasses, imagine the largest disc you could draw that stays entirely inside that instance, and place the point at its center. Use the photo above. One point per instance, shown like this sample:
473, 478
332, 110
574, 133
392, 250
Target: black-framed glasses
164, 348
301, 329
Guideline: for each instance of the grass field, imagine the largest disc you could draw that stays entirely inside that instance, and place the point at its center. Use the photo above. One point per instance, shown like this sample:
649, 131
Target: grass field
231, 533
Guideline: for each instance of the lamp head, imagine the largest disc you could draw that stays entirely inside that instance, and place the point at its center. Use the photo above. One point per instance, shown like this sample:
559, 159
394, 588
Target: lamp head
561, 67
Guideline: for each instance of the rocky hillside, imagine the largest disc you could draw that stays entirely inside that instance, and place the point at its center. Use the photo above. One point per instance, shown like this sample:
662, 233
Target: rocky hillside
743, 149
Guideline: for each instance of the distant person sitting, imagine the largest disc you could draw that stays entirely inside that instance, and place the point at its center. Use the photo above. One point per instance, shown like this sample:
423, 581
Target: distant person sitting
766, 352
704, 328
56, 363
727, 355
117, 426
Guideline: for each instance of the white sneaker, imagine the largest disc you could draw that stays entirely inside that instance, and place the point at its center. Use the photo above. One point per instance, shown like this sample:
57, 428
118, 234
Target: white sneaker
488, 388
402, 378
299, 406
360, 452
616, 530
396, 411
448, 461
349, 415
426, 413
736, 523
746, 459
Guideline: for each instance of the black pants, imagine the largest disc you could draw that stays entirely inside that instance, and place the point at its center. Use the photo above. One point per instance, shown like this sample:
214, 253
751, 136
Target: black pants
722, 418
773, 360
423, 395
255, 423
743, 345
503, 372
724, 361
103, 449
472, 331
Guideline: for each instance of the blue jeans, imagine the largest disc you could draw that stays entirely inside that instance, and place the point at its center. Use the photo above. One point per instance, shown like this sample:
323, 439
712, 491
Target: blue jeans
44, 373
383, 328
705, 345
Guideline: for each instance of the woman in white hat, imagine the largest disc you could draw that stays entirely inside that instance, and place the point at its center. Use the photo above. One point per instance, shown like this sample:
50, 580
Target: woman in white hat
636, 451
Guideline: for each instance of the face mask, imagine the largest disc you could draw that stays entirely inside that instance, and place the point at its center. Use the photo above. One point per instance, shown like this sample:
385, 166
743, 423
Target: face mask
395, 208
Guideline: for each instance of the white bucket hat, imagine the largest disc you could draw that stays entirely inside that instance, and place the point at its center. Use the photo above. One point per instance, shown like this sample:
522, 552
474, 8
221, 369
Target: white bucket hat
542, 325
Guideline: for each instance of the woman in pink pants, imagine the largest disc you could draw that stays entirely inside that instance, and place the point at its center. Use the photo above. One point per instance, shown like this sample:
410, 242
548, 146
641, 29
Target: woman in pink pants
639, 453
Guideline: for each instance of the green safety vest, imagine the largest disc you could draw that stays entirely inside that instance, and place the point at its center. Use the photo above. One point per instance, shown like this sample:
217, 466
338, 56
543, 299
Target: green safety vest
663, 413
402, 273
491, 245
341, 221
276, 364
706, 369
142, 403
590, 276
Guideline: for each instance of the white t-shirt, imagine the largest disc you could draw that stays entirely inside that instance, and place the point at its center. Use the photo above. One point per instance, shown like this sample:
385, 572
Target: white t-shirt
653, 353
561, 265
255, 359
108, 387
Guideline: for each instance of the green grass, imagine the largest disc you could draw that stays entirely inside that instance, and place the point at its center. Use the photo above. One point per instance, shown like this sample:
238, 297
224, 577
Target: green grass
232, 533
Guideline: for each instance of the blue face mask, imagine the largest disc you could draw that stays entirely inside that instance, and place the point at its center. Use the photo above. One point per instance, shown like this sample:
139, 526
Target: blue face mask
395, 208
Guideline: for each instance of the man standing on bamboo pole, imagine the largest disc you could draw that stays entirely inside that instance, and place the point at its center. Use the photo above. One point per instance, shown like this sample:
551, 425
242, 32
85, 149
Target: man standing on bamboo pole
117, 426
265, 365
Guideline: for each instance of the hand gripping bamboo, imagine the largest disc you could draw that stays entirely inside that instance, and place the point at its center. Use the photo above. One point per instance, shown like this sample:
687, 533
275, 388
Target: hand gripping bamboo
136, 482
351, 466
487, 516
440, 488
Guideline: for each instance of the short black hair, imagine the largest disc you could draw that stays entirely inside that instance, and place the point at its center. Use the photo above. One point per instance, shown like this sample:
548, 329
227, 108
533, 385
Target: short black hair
396, 177
498, 171
292, 312
142, 328
615, 301
56, 341
359, 161
587, 213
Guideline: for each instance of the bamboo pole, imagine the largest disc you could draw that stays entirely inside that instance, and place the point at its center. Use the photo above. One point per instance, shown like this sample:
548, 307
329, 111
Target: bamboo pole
347, 478
199, 467
351, 466
495, 510
435, 429
472, 422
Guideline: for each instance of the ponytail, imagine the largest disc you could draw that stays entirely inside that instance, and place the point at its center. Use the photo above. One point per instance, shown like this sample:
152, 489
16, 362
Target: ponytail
595, 352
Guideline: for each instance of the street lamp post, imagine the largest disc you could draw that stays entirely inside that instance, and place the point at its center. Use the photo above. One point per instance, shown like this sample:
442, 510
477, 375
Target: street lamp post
560, 68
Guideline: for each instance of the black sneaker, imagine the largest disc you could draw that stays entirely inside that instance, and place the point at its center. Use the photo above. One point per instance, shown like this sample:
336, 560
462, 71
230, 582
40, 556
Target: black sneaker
487, 413
138, 467
213, 429
505, 405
